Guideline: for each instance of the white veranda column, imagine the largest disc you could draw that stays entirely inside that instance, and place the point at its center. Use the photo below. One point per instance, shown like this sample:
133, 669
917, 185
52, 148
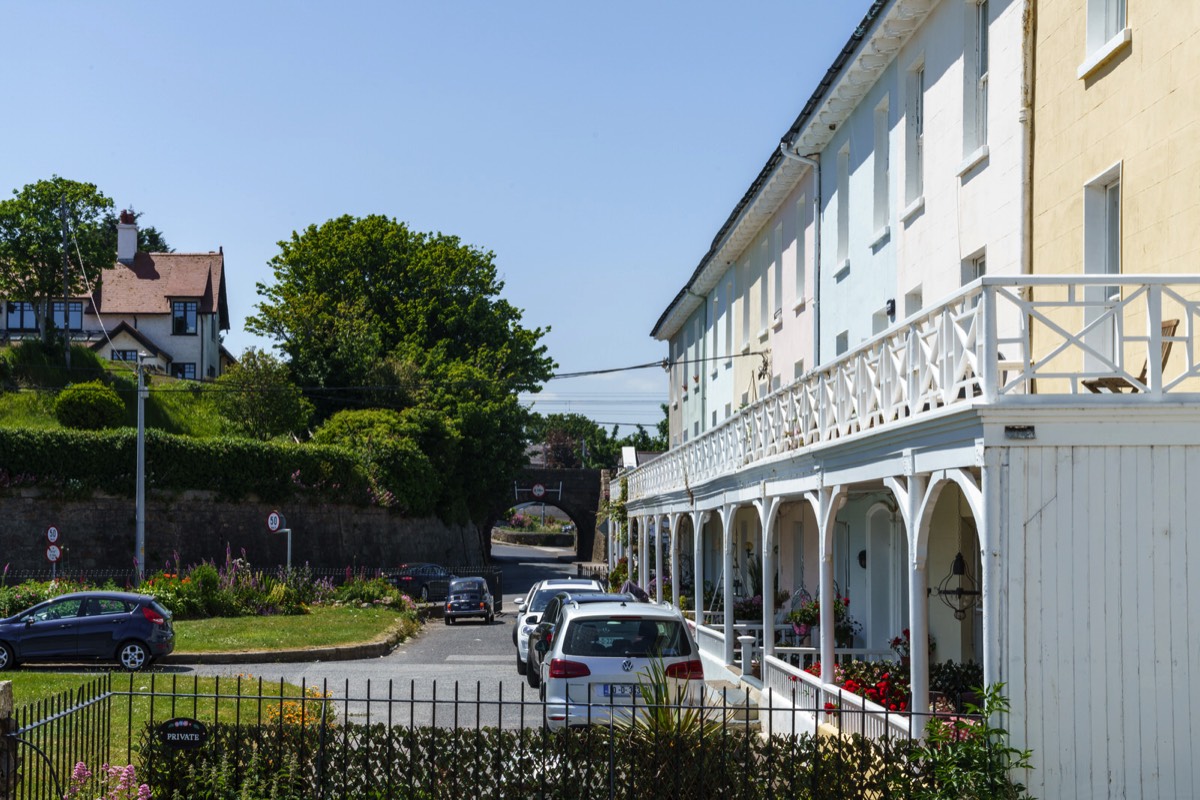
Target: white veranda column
727, 514
768, 513
910, 496
699, 520
675, 541
827, 501
658, 557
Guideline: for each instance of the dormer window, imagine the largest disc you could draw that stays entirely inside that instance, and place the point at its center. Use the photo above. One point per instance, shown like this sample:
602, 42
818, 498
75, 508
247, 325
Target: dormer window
183, 318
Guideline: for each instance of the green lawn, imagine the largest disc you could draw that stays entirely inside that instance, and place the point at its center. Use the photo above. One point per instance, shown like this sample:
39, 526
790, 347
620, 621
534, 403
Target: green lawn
323, 627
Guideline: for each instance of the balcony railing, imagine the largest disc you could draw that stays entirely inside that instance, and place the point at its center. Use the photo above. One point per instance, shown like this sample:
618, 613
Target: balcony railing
998, 338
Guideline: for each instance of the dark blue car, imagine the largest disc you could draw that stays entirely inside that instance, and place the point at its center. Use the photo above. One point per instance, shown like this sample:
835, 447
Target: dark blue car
132, 629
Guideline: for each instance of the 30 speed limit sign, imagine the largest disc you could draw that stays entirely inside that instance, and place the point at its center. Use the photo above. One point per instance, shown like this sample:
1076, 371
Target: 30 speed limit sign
275, 522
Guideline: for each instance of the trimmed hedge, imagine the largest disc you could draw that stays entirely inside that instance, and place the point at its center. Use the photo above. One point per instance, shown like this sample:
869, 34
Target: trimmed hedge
89, 406
79, 462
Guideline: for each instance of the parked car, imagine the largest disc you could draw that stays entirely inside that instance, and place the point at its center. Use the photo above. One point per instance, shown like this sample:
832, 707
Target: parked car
132, 629
529, 611
468, 597
414, 579
601, 654
551, 617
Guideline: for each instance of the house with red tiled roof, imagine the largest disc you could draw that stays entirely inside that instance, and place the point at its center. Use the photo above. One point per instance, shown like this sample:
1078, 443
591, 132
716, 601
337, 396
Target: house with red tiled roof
170, 307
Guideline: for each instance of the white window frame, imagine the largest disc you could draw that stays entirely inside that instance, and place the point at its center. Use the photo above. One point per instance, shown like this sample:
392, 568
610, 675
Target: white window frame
1108, 33
843, 209
777, 276
1102, 256
764, 287
914, 140
882, 169
801, 266
975, 86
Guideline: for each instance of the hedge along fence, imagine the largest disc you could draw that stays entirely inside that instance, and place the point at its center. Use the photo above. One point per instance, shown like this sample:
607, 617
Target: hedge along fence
316, 758
77, 463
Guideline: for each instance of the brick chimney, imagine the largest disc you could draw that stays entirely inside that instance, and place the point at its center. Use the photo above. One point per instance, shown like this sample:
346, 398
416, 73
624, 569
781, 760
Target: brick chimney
126, 237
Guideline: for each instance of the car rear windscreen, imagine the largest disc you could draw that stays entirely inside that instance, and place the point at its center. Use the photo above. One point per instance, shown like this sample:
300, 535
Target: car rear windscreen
462, 587
626, 637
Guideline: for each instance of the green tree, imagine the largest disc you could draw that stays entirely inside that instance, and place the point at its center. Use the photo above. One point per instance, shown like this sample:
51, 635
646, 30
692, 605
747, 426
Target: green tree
370, 313
31, 252
353, 292
258, 397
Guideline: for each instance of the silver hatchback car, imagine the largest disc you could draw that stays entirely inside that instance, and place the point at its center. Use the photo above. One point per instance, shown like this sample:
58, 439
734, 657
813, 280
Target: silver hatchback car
603, 655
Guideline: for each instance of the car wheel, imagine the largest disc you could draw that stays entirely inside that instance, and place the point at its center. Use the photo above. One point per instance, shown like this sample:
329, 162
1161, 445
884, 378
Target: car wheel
533, 677
133, 656
424, 594
521, 666
446, 619
7, 661
449, 620
490, 618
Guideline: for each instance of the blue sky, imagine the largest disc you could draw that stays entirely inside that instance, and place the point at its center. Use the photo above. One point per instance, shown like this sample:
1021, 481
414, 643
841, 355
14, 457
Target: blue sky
595, 148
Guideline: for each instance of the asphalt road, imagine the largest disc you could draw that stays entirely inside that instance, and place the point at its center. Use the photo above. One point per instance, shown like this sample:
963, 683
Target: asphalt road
470, 660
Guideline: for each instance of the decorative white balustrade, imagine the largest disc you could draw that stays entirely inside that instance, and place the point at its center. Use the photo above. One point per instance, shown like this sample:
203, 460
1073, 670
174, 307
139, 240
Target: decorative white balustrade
998, 337
828, 703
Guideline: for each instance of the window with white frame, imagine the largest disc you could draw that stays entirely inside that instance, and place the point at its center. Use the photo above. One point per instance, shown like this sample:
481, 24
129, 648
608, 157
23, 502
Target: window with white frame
744, 284
123, 355
974, 268
914, 135
882, 165
975, 89
777, 272
764, 285
801, 227
718, 312
728, 320
843, 206
1105, 22
1102, 256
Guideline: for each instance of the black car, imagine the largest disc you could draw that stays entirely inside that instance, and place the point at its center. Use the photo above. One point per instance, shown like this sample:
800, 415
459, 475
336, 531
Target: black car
468, 597
132, 629
414, 579
544, 630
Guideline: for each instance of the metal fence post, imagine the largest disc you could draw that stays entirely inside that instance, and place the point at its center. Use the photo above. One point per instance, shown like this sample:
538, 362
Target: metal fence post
8, 743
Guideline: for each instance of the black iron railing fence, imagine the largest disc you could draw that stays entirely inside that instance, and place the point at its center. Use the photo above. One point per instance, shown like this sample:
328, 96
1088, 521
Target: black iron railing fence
438, 740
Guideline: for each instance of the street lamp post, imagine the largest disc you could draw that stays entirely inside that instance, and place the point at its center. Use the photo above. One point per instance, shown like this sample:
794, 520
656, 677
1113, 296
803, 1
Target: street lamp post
139, 548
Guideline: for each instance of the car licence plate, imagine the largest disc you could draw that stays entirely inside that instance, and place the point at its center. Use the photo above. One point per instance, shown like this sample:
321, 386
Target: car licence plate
621, 689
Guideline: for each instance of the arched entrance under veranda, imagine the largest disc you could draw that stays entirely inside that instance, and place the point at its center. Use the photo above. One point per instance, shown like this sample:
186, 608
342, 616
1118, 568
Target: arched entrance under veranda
950, 538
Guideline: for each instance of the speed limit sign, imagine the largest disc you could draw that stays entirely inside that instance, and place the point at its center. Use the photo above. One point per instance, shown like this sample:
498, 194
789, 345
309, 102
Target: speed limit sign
52, 534
275, 522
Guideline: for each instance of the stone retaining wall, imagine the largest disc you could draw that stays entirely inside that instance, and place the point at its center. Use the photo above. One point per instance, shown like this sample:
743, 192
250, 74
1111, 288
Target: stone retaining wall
99, 532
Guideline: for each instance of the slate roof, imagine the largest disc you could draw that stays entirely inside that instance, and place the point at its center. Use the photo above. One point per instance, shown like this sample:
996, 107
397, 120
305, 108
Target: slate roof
153, 280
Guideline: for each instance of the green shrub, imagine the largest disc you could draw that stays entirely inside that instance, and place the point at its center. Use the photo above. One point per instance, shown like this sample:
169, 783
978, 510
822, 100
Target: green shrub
367, 590
232, 468
89, 406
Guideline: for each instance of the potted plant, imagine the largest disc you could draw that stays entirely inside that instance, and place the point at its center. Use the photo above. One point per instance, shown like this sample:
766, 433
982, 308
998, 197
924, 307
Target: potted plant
902, 646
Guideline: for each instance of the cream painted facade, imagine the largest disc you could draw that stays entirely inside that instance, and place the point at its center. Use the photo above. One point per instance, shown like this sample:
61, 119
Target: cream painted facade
1117, 112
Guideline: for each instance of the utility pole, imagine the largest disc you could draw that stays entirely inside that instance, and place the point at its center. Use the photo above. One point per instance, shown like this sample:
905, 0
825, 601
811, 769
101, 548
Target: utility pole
62, 213
139, 548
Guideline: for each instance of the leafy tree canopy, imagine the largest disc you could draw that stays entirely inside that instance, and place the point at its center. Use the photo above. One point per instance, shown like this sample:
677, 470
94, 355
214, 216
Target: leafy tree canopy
353, 292
31, 244
372, 314
258, 397
573, 440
